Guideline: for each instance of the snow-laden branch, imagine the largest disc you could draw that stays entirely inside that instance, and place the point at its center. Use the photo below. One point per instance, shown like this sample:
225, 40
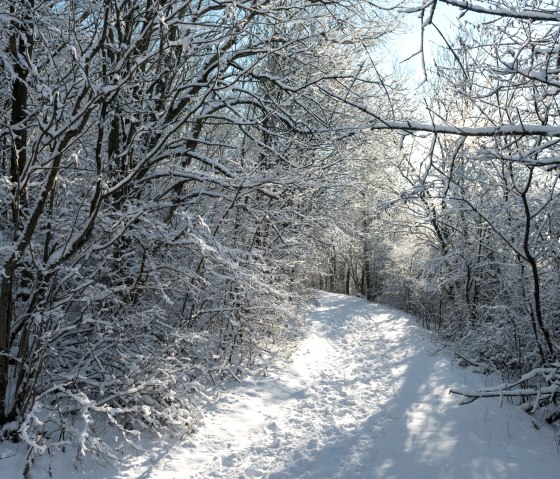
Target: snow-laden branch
540, 383
524, 14
488, 131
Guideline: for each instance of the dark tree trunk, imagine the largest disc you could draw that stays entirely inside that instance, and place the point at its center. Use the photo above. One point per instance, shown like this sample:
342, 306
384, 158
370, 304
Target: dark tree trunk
20, 46
6, 312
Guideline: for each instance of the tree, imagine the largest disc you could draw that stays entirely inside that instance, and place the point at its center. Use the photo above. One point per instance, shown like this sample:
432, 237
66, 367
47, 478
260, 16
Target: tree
483, 192
162, 167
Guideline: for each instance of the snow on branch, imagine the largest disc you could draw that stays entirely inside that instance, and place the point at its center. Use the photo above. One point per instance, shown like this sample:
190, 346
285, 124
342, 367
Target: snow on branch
490, 131
537, 388
524, 14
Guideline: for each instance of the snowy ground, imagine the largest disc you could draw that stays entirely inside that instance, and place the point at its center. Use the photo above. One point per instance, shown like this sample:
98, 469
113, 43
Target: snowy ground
364, 396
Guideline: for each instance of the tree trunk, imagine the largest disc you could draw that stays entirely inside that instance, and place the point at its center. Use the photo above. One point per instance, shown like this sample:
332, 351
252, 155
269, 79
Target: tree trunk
537, 318
6, 312
20, 46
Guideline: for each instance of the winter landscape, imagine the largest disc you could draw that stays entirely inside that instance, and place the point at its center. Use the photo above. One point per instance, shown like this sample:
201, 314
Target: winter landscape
279, 239
365, 394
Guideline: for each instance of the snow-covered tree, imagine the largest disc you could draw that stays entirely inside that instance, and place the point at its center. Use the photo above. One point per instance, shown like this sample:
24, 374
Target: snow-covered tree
480, 190
163, 165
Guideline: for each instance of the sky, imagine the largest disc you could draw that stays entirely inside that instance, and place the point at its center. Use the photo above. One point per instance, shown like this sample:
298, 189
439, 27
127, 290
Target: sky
403, 45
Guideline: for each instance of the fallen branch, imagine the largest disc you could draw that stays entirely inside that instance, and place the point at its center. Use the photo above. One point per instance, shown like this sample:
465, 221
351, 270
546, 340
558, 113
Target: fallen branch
548, 380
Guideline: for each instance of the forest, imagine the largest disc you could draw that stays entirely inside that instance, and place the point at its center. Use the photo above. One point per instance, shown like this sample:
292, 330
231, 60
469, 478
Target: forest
177, 175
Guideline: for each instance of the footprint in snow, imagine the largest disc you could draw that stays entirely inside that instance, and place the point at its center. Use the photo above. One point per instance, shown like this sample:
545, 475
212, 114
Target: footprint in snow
393, 411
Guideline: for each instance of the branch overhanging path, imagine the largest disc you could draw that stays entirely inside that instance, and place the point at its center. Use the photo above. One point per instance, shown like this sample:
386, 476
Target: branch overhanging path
365, 395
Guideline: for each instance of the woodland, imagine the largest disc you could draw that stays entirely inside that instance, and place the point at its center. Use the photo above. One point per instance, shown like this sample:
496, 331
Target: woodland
177, 175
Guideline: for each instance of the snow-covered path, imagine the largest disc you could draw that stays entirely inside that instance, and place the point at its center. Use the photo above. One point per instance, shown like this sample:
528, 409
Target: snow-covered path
365, 395
320, 416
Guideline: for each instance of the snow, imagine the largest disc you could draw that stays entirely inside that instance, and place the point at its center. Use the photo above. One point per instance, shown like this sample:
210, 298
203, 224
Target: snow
490, 131
364, 395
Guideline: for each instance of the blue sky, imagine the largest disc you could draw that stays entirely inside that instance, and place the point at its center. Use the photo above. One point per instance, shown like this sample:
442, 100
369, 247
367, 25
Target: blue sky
405, 44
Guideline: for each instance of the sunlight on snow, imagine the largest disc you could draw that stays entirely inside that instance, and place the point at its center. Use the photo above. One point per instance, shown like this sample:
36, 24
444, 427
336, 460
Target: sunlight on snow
425, 426
431, 434
314, 351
